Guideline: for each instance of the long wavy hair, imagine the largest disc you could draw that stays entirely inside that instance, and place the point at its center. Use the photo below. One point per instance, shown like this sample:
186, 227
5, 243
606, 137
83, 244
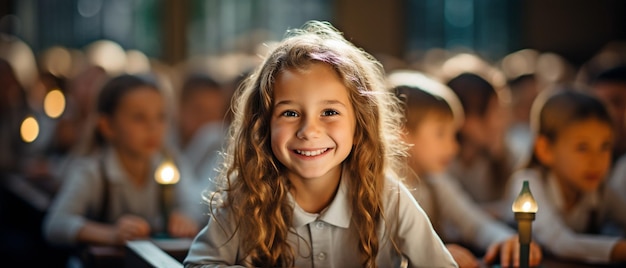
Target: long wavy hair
253, 180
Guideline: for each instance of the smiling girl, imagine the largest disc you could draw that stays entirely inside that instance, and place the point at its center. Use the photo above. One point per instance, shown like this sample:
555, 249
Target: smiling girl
308, 178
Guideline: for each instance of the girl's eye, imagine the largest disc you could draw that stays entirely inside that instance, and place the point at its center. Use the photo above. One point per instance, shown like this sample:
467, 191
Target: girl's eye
329, 113
138, 117
582, 147
289, 114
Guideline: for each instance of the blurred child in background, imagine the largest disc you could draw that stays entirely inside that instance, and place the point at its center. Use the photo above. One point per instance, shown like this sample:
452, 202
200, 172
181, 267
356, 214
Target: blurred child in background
570, 161
202, 132
610, 87
433, 115
484, 162
524, 90
110, 195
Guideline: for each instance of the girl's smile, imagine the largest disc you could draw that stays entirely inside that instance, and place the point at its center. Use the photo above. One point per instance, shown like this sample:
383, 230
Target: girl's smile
311, 153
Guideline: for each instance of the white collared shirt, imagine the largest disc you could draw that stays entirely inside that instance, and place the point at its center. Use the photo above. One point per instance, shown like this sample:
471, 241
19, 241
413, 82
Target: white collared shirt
447, 204
618, 177
202, 154
328, 238
82, 194
561, 231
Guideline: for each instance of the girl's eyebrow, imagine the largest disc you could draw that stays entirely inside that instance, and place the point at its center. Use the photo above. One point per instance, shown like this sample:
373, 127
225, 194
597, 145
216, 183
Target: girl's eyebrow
324, 102
332, 102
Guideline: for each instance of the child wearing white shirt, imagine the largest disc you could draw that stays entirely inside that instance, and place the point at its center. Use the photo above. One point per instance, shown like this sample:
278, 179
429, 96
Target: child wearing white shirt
433, 115
570, 161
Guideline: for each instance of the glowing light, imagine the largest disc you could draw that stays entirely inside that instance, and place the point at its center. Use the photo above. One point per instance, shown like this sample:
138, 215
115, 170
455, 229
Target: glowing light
525, 201
21, 58
58, 61
520, 63
54, 103
551, 66
29, 129
464, 62
167, 173
137, 62
108, 55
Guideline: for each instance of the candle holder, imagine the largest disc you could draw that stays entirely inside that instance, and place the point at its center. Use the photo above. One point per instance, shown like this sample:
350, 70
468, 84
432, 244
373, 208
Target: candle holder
167, 175
525, 209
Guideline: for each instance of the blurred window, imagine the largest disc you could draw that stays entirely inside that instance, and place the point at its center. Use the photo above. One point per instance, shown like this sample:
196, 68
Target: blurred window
221, 26
487, 27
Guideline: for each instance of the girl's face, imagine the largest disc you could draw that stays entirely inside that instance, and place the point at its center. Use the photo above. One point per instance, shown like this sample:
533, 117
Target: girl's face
200, 108
313, 123
137, 126
489, 130
580, 156
434, 144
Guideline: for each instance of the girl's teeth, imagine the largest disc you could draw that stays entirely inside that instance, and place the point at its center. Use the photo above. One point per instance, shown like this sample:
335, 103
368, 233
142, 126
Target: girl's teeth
311, 153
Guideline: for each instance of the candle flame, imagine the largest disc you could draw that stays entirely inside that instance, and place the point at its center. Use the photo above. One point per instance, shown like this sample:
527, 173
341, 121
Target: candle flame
526, 206
525, 201
167, 173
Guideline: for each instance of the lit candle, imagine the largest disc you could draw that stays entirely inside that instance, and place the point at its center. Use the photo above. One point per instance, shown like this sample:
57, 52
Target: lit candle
524, 208
167, 175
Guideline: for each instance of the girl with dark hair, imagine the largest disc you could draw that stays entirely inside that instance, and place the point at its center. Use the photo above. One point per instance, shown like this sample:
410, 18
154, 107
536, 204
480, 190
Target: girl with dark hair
110, 195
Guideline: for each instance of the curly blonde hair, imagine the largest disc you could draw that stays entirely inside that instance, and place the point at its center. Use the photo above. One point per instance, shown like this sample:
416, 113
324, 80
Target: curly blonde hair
253, 178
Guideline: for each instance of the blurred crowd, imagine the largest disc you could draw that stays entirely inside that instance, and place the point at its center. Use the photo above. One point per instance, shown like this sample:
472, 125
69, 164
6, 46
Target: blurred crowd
51, 102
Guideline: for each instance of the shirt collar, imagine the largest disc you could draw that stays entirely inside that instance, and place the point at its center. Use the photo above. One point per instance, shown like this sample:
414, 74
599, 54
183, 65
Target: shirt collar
554, 190
338, 213
113, 168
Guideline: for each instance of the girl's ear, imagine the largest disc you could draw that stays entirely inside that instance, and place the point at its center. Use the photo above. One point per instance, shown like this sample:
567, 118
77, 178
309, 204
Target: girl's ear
543, 150
105, 127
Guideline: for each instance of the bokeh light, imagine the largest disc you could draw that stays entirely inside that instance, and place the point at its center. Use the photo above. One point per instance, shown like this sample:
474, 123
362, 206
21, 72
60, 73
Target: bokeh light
29, 129
54, 103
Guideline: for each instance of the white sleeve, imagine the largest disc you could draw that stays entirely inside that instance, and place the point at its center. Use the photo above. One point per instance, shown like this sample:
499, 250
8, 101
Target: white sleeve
475, 226
417, 239
615, 207
552, 233
189, 193
215, 245
80, 194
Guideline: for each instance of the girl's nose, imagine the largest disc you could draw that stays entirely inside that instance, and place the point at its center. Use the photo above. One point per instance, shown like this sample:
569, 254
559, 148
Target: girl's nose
156, 124
310, 128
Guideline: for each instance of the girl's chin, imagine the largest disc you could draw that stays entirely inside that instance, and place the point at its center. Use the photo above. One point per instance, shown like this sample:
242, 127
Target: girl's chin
590, 187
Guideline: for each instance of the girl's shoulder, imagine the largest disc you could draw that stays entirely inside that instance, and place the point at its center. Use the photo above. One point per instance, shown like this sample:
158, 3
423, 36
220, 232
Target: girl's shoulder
396, 193
83, 164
